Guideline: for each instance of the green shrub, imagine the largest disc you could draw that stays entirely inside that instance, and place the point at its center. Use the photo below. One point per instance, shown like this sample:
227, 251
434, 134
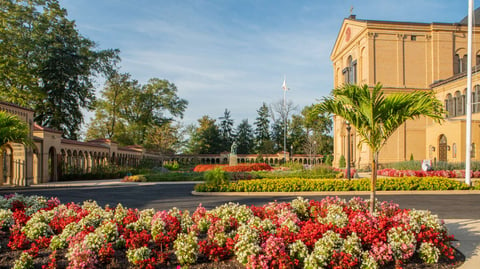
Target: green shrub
411, 157
155, 177
342, 163
328, 160
215, 177
293, 165
171, 165
406, 165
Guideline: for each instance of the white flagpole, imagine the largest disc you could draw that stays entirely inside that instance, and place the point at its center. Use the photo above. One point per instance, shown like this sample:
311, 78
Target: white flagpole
468, 140
285, 119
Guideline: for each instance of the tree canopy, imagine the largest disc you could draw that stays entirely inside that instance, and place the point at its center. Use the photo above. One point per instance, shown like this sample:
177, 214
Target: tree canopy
130, 113
47, 65
13, 129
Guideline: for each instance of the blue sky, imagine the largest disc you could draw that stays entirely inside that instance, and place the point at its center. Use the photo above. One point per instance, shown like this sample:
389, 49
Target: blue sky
234, 53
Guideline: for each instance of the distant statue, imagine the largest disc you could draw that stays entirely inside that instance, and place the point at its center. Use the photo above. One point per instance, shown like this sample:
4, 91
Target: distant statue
233, 149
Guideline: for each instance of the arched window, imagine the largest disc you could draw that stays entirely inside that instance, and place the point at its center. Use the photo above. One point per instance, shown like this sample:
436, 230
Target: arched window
459, 63
454, 150
350, 72
448, 105
476, 99
456, 64
464, 64
459, 103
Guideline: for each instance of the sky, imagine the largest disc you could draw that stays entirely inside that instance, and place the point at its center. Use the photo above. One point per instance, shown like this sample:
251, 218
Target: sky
235, 54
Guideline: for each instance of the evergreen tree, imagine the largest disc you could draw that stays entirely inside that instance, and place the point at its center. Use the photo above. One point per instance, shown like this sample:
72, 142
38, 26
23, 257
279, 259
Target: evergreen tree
277, 135
226, 131
263, 143
245, 137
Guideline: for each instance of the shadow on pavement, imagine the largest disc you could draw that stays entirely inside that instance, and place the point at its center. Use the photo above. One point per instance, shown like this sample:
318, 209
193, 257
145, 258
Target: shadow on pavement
467, 232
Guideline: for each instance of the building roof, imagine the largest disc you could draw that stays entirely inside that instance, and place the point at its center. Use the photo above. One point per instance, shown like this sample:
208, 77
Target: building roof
15, 105
75, 142
475, 69
37, 127
476, 18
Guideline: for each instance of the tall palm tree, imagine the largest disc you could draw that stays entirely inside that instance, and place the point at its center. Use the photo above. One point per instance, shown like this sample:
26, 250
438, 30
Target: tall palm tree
13, 129
376, 116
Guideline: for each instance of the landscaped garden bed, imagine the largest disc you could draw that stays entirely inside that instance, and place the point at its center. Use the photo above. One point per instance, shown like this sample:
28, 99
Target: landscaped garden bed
297, 185
245, 167
391, 172
332, 233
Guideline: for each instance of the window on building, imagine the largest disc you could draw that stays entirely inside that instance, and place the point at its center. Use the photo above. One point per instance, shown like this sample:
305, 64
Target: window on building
413, 37
454, 150
464, 64
350, 72
449, 106
477, 59
476, 99
473, 150
456, 64
459, 102
459, 64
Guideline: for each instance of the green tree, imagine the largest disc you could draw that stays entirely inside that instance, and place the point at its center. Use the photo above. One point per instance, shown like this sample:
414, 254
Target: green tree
263, 143
164, 139
154, 104
13, 129
297, 136
47, 65
376, 116
116, 97
244, 137
226, 130
204, 139
318, 128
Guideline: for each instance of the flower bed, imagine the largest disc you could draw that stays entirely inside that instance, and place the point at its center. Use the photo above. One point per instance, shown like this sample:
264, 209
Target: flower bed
298, 184
390, 172
332, 233
234, 168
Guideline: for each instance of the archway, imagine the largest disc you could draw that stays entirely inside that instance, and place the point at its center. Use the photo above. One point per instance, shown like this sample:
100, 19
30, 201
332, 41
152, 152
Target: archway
442, 148
7, 164
52, 164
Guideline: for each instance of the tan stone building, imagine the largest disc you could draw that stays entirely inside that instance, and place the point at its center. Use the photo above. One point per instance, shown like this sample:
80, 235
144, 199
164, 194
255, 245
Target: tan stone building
53, 156
404, 57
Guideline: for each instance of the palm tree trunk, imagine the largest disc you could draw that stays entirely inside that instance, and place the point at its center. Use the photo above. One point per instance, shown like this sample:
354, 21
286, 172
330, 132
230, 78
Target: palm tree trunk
373, 181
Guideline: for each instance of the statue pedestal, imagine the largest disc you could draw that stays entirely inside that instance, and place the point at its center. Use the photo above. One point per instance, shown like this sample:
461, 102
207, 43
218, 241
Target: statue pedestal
233, 160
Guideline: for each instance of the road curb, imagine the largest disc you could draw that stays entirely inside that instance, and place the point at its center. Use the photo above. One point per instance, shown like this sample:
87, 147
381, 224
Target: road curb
343, 193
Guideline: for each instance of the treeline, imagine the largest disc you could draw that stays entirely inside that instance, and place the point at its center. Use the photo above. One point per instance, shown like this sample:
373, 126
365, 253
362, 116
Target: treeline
307, 133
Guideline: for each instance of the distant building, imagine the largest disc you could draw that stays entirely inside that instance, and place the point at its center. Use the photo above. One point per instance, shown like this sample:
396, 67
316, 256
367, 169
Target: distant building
404, 57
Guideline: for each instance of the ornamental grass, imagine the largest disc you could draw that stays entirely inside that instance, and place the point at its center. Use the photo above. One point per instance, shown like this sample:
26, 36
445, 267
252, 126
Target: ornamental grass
331, 233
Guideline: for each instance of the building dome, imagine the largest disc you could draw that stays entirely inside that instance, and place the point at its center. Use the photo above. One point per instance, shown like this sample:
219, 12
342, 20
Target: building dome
476, 18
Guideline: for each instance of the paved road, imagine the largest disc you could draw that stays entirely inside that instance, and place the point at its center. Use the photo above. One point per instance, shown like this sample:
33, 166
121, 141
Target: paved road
166, 196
